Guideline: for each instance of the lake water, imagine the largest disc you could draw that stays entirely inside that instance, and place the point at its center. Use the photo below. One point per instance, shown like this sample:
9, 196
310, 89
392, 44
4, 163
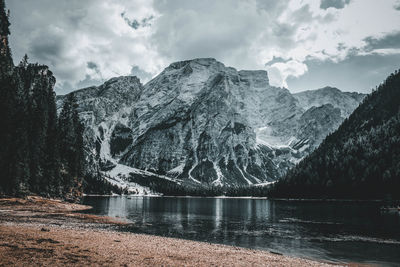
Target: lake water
328, 231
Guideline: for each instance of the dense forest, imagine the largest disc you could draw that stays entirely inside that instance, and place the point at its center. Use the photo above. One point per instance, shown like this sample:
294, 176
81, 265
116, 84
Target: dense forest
359, 160
41, 151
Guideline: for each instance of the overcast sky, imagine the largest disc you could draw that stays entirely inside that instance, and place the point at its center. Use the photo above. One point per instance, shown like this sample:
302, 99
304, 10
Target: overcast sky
349, 44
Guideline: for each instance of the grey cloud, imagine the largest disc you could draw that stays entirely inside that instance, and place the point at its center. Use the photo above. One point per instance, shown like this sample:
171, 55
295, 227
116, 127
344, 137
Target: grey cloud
93, 66
224, 29
132, 23
221, 29
146, 22
168, 6
272, 6
87, 82
303, 14
391, 40
341, 47
76, 16
355, 73
47, 46
328, 18
141, 74
276, 60
338, 4
136, 24
47, 31
77, 37
282, 35
46, 50
41, 30
284, 29
63, 88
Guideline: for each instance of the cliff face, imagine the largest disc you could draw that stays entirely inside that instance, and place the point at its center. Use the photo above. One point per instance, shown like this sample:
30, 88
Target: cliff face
199, 121
196, 121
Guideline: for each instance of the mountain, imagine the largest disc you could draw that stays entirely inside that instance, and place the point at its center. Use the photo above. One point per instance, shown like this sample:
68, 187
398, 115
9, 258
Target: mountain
361, 159
203, 123
345, 101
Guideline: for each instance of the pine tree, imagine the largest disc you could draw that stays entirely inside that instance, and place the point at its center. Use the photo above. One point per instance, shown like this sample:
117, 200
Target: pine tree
51, 159
24, 62
8, 108
71, 146
6, 63
39, 153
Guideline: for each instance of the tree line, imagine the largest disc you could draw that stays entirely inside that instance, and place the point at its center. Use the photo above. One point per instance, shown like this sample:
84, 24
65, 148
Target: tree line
171, 188
41, 152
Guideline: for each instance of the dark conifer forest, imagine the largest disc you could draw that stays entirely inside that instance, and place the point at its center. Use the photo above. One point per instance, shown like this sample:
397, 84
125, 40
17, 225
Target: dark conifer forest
41, 153
359, 160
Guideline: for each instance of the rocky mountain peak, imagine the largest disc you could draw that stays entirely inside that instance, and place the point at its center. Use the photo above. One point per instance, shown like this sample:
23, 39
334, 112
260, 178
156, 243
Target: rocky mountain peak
206, 62
199, 121
258, 78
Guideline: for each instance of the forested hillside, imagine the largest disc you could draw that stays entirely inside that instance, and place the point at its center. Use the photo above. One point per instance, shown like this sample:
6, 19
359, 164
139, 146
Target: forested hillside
41, 153
359, 160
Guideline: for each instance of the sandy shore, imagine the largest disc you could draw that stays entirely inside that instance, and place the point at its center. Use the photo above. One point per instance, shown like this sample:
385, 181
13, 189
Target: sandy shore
42, 232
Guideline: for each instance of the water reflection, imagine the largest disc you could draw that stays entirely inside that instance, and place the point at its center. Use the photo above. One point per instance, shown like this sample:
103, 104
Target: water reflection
337, 231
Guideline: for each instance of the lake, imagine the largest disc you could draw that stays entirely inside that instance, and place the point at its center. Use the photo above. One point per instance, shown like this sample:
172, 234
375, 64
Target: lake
335, 231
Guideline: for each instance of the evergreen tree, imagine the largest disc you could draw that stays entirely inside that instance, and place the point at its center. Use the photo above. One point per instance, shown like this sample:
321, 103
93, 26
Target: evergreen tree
51, 161
71, 146
24, 62
12, 135
6, 63
31, 135
13, 138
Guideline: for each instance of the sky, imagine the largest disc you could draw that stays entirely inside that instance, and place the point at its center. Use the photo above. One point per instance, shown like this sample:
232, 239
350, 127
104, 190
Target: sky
303, 44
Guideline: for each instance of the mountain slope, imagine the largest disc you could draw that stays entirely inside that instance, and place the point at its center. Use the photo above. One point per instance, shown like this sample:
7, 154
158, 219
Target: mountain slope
345, 101
359, 160
201, 122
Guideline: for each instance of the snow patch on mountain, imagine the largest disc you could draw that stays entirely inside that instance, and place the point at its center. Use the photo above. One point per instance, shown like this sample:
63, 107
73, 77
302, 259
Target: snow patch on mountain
265, 136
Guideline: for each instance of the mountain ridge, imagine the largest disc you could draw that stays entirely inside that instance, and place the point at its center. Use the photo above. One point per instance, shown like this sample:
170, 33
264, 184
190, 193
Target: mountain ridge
202, 122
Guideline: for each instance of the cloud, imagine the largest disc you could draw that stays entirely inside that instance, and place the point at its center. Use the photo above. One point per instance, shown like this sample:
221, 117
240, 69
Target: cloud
355, 73
87, 82
392, 40
91, 41
338, 4
93, 66
280, 71
141, 74
83, 41
249, 34
133, 23
221, 29
145, 22
276, 60
397, 5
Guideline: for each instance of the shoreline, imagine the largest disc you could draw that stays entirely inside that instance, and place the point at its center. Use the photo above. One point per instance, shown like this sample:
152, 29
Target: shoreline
247, 197
54, 233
